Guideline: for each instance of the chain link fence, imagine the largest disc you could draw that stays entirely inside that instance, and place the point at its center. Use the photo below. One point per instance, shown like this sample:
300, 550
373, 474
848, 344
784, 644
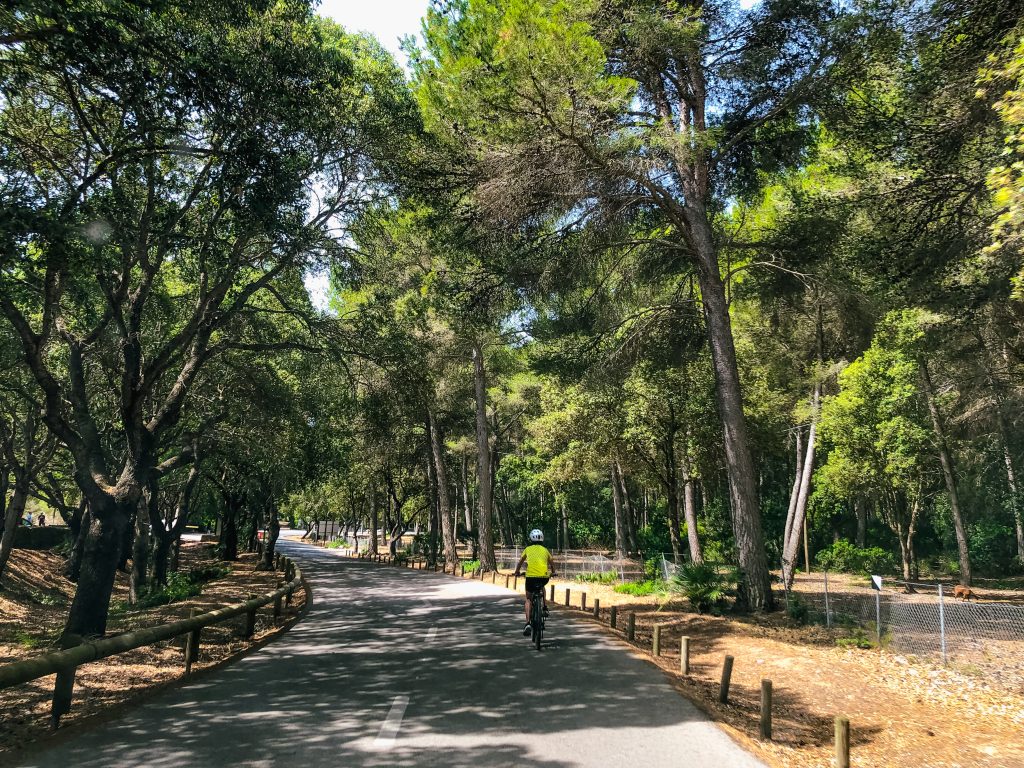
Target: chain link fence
925, 620
570, 563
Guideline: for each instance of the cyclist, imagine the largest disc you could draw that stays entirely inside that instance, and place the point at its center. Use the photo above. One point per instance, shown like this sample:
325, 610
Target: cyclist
539, 568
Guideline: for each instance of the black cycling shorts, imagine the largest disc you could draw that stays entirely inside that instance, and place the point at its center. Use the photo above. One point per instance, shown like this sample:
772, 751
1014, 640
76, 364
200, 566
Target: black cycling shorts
535, 583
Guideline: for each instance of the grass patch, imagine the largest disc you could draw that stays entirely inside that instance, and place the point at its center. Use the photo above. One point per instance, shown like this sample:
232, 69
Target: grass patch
338, 544
642, 588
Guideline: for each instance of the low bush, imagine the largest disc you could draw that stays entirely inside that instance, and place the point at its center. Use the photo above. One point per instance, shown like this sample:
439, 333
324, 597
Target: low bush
338, 544
642, 588
704, 585
797, 610
470, 565
846, 557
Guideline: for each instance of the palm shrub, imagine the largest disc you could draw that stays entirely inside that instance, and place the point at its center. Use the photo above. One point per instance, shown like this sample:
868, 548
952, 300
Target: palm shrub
704, 586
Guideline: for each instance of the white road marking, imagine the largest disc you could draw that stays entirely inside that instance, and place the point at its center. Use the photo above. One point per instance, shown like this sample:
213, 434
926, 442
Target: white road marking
432, 633
392, 724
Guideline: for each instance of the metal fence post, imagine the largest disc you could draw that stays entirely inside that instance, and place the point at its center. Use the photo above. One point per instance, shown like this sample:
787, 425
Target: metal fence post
828, 610
942, 624
878, 616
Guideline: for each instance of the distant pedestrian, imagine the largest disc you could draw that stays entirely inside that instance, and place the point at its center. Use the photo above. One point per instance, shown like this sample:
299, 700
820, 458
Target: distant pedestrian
42, 519
28, 519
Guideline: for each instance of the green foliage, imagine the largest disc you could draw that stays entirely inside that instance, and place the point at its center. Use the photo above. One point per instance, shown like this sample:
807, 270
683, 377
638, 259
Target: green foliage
470, 565
858, 638
179, 587
642, 588
846, 557
338, 544
26, 639
797, 609
597, 578
704, 585
46, 598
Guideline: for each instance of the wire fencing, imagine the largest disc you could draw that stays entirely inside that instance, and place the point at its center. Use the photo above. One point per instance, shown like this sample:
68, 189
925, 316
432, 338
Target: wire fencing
576, 562
924, 620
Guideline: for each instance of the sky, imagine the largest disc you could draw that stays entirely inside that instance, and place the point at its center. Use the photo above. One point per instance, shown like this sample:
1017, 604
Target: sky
389, 20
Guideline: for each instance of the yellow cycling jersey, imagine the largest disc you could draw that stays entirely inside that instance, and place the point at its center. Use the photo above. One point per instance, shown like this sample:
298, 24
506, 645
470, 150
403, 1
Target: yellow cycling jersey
538, 561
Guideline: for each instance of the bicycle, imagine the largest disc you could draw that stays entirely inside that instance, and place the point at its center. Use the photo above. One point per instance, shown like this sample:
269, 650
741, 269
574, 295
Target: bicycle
536, 598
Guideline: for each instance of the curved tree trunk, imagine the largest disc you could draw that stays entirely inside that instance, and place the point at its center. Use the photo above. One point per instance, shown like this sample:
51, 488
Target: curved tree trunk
946, 459
792, 546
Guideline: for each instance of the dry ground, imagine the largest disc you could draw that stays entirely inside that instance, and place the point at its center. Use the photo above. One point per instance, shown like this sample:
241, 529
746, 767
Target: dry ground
903, 711
33, 606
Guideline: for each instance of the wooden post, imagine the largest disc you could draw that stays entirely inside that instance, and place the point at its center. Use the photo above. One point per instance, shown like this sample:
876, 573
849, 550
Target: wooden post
723, 690
462, 571
277, 603
842, 742
191, 645
631, 627
506, 580
613, 616
684, 655
766, 710
583, 601
494, 576
250, 620
277, 561
597, 608
515, 583
63, 689
567, 597
552, 593
656, 641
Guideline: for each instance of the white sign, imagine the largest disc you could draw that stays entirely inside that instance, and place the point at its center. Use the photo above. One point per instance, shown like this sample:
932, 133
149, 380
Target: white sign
876, 583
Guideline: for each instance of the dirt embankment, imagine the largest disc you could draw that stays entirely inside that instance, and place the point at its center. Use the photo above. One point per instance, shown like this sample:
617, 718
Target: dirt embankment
34, 600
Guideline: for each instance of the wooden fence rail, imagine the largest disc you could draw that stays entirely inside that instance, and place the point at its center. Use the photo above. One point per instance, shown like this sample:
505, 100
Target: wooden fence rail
64, 663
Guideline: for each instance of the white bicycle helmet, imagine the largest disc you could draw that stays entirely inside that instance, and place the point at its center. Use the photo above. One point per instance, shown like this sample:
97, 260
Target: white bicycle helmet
537, 535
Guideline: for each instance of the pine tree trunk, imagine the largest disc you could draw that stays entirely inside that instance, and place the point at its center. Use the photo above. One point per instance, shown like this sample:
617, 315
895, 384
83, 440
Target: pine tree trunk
483, 524
946, 459
1011, 480
374, 521
755, 585
621, 537
451, 556
861, 511
690, 505
628, 512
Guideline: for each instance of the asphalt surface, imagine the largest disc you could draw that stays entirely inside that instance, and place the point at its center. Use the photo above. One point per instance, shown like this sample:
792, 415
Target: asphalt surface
395, 667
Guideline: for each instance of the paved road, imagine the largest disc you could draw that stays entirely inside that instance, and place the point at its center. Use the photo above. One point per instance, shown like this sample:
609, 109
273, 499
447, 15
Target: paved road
393, 667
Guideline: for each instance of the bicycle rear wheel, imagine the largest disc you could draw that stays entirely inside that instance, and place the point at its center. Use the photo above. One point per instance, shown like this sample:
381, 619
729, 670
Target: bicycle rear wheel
537, 618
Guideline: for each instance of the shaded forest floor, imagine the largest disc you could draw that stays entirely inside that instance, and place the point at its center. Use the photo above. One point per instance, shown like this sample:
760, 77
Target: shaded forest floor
34, 601
903, 710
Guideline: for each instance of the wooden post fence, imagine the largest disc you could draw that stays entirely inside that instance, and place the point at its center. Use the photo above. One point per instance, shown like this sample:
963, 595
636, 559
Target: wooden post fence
723, 690
842, 742
684, 655
766, 710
